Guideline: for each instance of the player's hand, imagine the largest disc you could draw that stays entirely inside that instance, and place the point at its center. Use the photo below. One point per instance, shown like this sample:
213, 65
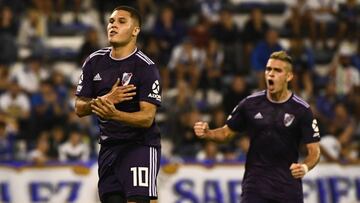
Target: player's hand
298, 170
201, 129
119, 94
103, 108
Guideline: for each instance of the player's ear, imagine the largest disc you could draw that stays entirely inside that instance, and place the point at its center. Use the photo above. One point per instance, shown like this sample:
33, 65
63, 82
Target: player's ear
136, 31
290, 76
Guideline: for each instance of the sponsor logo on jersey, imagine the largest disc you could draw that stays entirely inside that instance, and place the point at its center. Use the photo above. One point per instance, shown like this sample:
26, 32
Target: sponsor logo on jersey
126, 77
315, 127
258, 116
97, 77
155, 91
78, 88
81, 78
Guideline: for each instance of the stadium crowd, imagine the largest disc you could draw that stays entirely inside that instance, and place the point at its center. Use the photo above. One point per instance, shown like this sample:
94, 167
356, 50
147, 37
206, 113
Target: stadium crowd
211, 54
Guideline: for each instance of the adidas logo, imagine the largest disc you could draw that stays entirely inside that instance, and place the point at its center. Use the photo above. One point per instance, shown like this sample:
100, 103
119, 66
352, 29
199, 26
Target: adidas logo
97, 77
258, 116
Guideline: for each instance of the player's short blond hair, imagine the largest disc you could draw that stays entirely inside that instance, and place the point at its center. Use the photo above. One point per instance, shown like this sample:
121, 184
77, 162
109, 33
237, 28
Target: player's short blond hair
282, 56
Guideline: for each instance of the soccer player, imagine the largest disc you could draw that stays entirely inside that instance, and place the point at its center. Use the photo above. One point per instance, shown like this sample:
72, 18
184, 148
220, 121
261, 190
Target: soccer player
277, 121
121, 85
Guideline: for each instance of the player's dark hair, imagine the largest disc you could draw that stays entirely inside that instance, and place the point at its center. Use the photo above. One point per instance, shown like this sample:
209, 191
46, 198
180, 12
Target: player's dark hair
133, 13
282, 56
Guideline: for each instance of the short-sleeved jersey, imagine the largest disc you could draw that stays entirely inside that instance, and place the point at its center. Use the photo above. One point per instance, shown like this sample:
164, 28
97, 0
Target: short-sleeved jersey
276, 131
100, 72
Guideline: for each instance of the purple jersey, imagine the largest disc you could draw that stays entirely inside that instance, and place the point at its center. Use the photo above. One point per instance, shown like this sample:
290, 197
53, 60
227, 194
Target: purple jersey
100, 72
276, 131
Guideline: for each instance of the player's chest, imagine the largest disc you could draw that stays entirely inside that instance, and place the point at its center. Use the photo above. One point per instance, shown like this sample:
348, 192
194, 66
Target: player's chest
104, 79
274, 117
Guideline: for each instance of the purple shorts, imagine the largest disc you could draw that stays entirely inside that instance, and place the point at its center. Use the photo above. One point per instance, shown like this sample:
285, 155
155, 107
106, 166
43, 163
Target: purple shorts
129, 169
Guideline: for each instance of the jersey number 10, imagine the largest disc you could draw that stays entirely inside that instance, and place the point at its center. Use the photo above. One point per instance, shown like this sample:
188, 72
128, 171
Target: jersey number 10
140, 176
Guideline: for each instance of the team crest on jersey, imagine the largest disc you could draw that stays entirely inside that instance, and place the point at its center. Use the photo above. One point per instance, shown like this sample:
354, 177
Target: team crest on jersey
288, 119
126, 77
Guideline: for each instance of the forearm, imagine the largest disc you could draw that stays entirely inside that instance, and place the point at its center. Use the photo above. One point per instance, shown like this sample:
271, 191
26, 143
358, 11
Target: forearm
219, 134
83, 106
138, 119
312, 158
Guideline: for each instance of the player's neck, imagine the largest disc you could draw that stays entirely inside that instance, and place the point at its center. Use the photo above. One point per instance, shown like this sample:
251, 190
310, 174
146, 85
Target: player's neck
120, 52
279, 97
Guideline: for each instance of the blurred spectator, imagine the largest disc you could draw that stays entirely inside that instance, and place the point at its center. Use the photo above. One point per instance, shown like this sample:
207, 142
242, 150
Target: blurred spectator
153, 50
185, 9
254, 31
4, 77
61, 86
300, 21
355, 59
176, 103
168, 30
210, 9
330, 149
325, 104
8, 22
33, 32
47, 111
236, 92
8, 31
14, 102
7, 143
346, 76
74, 149
261, 54
186, 62
57, 138
39, 155
30, 74
211, 77
147, 10
324, 14
187, 145
218, 118
348, 15
199, 33
227, 33
90, 45
303, 65
242, 147
210, 153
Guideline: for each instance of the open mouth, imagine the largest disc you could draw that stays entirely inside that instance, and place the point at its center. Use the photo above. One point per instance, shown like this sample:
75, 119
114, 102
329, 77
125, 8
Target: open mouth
271, 84
112, 33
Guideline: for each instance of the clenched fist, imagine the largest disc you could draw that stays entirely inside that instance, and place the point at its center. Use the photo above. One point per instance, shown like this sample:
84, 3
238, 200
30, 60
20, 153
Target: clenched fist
298, 170
201, 129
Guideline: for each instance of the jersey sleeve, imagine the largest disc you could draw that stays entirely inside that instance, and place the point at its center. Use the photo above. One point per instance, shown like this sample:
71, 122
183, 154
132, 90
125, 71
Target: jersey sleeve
309, 128
84, 87
150, 86
236, 120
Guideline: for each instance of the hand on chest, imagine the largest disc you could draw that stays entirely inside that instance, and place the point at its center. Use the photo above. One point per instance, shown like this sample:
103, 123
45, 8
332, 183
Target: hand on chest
104, 81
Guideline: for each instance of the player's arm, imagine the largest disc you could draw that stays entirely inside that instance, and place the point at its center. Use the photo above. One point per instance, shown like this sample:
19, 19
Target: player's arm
142, 118
313, 155
218, 134
298, 170
83, 106
117, 94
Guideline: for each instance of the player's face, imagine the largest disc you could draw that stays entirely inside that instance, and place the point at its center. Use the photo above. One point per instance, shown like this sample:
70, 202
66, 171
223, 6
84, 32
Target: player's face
277, 75
121, 28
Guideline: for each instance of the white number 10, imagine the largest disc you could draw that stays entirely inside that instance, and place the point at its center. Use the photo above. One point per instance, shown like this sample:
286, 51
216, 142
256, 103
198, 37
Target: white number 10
140, 176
